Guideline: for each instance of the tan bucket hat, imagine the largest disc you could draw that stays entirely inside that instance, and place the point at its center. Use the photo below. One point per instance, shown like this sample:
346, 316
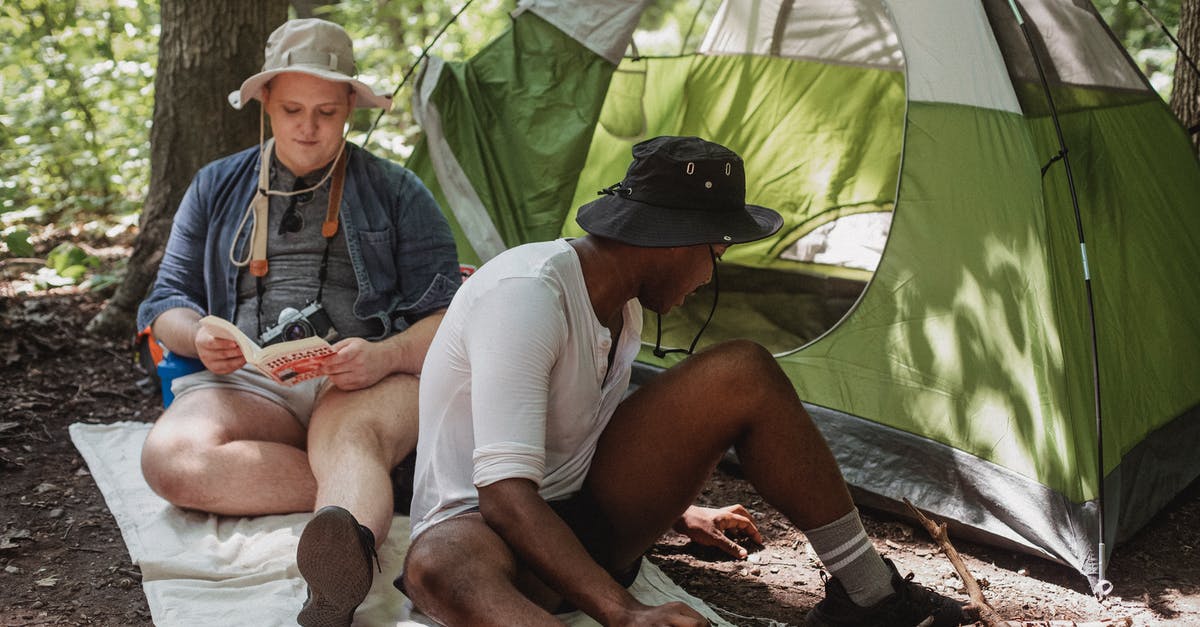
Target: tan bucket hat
315, 47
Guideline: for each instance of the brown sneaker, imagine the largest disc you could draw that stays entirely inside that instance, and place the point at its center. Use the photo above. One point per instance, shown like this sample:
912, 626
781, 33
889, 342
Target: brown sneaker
911, 604
335, 556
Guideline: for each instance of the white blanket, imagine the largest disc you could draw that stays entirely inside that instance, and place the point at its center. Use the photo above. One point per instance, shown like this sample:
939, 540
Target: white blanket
200, 569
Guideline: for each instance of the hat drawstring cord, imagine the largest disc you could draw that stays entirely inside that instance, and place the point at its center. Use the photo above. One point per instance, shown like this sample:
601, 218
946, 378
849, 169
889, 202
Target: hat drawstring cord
264, 190
661, 352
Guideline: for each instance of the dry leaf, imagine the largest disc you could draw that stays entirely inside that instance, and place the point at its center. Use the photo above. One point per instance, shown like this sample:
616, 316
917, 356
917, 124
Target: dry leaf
6, 538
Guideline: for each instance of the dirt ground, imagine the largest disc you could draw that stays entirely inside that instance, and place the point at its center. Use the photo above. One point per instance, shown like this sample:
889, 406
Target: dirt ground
62, 560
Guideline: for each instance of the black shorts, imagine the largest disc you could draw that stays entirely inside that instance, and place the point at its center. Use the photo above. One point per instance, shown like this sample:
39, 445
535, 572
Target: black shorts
583, 515
587, 521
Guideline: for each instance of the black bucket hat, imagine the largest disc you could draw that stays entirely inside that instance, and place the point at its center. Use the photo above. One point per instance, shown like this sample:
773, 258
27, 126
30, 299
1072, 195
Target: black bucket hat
679, 191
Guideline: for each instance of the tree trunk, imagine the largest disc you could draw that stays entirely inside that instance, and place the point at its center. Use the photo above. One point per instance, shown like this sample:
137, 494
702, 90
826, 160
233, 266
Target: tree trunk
206, 50
1185, 95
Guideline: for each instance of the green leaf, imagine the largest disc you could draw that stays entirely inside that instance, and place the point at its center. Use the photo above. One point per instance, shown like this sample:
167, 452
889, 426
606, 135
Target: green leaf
68, 255
18, 243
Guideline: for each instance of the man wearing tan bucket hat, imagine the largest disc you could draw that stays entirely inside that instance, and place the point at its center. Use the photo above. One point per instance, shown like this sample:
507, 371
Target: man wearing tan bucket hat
305, 234
540, 483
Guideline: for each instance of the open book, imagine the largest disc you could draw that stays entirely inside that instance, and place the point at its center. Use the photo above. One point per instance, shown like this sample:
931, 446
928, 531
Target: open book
287, 362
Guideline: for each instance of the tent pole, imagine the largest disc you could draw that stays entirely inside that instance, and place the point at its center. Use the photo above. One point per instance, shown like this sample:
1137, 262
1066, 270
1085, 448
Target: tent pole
1102, 587
415, 63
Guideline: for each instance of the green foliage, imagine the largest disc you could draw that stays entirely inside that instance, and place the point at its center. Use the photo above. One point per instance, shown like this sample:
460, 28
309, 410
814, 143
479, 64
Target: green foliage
18, 243
388, 39
1143, 38
70, 261
76, 106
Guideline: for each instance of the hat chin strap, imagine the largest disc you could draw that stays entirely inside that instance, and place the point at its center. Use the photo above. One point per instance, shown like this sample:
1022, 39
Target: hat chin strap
256, 256
661, 352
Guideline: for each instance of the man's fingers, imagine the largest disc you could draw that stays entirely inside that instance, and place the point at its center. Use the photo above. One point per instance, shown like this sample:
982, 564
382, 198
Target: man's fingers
725, 543
738, 509
741, 524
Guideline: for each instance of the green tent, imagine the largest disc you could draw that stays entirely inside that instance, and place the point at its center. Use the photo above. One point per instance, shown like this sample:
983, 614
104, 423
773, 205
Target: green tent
930, 294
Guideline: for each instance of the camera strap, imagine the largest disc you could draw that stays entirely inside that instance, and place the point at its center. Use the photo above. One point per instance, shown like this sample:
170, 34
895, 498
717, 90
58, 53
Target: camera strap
329, 228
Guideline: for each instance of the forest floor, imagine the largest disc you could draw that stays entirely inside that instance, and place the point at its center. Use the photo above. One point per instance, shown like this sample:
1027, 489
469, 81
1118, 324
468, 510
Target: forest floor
63, 562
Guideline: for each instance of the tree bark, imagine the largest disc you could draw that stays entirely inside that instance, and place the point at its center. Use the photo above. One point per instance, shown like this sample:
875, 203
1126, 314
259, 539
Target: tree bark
206, 50
1185, 95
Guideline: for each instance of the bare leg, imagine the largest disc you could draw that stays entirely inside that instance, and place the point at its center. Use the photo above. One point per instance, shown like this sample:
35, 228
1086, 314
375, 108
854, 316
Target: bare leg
355, 439
229, 452
666, 438
459, 572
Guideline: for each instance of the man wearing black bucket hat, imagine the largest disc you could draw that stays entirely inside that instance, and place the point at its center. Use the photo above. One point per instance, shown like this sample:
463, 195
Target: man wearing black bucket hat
539, 484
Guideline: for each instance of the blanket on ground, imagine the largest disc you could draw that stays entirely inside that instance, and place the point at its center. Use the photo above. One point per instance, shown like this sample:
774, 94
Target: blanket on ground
202, 569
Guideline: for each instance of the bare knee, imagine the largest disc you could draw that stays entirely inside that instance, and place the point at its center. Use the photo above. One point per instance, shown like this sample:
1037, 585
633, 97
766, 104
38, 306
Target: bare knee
459, 572
174, 462
437, 580
381, 419
745, 366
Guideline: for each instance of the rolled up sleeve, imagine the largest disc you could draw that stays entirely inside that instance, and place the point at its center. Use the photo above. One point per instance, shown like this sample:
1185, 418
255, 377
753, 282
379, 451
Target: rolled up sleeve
513, 350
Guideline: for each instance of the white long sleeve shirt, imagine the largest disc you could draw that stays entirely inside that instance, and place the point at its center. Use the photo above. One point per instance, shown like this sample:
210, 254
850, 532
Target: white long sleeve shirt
516, 383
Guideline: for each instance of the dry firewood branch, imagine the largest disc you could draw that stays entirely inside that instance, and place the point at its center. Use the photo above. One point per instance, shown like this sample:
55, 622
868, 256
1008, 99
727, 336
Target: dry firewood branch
987, 614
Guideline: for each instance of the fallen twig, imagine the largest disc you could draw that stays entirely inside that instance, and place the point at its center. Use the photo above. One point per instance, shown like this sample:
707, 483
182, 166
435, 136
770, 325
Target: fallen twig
12, 261
1115, 622
84, 548
987, 614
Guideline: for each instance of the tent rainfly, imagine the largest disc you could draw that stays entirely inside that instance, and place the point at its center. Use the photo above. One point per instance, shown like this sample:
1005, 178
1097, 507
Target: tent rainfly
1003, 336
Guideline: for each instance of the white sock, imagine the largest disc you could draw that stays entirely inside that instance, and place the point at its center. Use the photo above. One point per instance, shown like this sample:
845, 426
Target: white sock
848, 554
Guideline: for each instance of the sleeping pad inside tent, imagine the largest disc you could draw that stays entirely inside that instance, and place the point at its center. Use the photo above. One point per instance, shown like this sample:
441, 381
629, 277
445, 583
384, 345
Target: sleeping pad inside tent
1010, 349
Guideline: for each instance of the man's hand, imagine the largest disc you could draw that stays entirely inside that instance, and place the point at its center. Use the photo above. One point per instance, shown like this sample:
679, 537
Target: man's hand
710, 527
220, 355
674, 614
357, 364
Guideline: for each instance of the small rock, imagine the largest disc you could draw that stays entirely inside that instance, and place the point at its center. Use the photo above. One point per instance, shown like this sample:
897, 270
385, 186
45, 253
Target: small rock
56, 512
12, 570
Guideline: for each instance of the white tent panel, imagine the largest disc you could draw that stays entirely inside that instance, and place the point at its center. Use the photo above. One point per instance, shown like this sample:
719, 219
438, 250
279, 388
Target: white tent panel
951, 54
834, 31
1080, 46
603, 26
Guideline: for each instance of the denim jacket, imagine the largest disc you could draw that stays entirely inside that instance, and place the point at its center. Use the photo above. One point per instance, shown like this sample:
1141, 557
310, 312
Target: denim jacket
400, 244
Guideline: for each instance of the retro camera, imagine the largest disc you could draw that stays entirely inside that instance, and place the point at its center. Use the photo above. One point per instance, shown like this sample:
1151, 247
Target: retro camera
297, 324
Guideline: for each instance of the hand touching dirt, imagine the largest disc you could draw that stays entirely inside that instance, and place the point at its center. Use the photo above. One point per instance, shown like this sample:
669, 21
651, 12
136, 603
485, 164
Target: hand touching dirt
714, 527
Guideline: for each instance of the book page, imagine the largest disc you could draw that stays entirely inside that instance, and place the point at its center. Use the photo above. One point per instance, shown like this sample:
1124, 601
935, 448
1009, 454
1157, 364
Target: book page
221, 327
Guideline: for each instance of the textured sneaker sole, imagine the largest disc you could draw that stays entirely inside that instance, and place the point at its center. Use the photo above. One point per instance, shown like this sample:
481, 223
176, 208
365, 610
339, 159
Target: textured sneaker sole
333, 561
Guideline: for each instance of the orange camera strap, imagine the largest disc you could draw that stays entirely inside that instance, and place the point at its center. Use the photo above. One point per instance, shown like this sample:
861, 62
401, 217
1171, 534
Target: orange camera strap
261, 204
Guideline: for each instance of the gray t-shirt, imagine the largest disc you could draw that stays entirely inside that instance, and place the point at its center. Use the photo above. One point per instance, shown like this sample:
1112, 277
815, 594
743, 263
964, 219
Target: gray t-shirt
294, 262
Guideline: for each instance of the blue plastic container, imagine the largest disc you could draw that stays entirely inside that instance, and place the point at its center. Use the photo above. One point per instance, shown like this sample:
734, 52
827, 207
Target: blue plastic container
172, 367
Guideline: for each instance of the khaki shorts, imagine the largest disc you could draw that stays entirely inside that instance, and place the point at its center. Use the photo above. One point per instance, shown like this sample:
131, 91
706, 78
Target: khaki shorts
297, 399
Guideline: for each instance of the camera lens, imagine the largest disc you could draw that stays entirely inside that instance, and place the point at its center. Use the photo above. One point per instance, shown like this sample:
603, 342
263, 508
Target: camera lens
297, 330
